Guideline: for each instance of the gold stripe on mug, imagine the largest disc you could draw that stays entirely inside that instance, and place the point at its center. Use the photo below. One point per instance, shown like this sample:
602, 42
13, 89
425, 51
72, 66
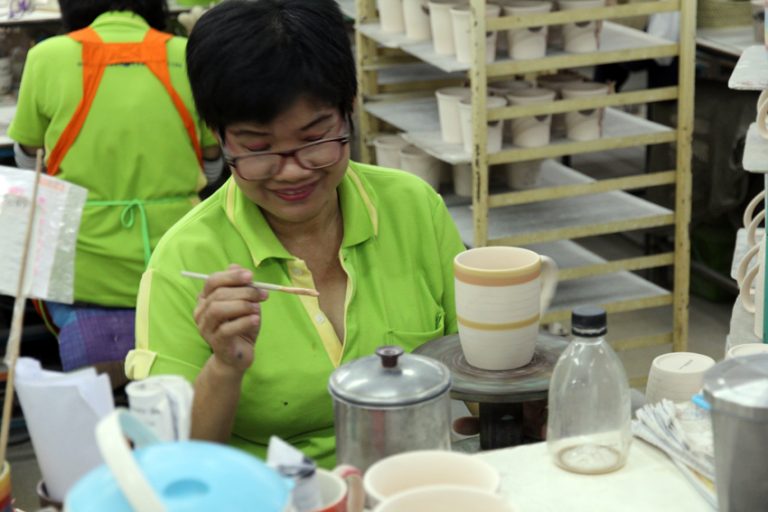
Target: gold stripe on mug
492, 280
498, 327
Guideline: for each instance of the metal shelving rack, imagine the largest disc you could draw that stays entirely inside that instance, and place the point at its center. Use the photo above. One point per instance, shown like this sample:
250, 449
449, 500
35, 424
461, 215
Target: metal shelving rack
568, 205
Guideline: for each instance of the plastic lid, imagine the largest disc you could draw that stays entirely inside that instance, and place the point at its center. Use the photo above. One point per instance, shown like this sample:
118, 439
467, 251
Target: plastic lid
588, 321
739, 386
390, 378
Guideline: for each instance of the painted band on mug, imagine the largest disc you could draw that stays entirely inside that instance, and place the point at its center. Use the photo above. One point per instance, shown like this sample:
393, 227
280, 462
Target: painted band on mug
498, 327
491, 279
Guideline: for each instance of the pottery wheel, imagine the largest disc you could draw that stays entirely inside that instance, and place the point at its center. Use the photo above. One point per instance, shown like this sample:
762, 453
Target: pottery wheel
530, 382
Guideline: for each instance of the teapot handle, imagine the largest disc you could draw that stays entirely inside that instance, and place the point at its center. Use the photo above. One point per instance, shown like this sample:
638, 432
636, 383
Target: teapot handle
111, 432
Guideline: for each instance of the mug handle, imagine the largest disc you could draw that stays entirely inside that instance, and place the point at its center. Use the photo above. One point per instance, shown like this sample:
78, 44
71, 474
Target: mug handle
752, 228
762, 112
741, 271
111, 432
747, 300
355, 493
549, 273
750, 210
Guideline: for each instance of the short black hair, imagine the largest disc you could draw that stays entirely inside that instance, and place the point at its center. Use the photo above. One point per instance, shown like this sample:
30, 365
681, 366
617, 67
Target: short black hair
251, 60
77, 14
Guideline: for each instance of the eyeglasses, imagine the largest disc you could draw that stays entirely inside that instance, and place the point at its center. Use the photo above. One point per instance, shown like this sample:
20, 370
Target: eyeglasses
262, 166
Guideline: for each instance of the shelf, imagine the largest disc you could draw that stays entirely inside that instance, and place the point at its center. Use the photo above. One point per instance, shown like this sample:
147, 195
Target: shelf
418, 71
730, 40
563, 218
741, 249
618, 287
615, 38
751, 71
742, 327
348, 8
418, 118
755, 151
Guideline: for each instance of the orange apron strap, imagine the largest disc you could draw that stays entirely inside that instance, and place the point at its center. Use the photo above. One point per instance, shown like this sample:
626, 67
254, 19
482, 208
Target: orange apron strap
157, 62
96, 56
93, 70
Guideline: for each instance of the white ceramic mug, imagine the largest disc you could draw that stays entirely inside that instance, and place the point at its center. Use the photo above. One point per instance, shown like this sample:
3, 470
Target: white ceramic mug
460, 19
462, 180
444, 498
400, 473
495, 131
448, 99
584, 125
388, 150
416, 16
529, 42
341, 490
533, 131
391, 16
501, 293
676, 376
442, 26
583, 36
556, 83
418, 162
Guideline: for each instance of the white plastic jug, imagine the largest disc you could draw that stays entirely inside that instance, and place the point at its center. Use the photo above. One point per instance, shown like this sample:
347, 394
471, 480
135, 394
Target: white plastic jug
188, 476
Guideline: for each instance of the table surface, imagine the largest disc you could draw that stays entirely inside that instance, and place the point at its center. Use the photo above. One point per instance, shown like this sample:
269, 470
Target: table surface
530, 482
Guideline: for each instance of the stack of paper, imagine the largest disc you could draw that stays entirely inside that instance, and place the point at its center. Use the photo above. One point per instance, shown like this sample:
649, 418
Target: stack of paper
61, 411
684, 433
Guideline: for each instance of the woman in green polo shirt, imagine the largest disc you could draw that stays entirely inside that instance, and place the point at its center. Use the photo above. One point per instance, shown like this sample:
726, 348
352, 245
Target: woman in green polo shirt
111, 105
276, 81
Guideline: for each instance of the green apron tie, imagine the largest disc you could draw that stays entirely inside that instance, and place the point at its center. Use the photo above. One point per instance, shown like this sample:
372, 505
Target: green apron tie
128, 216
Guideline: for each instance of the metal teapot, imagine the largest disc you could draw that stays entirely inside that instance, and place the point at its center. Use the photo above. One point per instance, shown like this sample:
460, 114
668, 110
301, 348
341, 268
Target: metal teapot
390, 403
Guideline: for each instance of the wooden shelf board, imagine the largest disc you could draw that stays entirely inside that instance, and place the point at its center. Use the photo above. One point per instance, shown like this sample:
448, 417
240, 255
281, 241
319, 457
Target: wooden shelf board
729, 40
418, 118
418, 71
751, 71
614, 38
755, 151
605, 289
572, 212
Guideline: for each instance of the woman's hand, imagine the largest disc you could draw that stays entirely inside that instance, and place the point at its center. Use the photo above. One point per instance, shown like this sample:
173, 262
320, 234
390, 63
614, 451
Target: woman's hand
228, 316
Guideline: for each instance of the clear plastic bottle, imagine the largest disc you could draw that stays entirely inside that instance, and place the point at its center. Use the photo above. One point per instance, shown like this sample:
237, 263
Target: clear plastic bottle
588, 429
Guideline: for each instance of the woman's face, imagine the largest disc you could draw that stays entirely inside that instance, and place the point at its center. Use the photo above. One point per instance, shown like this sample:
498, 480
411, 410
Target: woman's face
293, 193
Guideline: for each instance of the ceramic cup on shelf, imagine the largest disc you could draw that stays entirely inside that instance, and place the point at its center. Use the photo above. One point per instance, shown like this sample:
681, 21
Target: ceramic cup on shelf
758, 20
444, 498
533, 131
584, 125
501, 293
746, 349
504, 87
582, 36
460, 19
442, 26
462, 180
420, 163
391, 16
401, 473
448, 99
523, 175
751, 283
676, 376
388, 150
416, 17
556, 82
495, 131
528, 42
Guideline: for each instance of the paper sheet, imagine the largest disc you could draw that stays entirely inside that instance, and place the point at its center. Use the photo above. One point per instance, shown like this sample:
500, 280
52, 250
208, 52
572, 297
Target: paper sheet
61, 411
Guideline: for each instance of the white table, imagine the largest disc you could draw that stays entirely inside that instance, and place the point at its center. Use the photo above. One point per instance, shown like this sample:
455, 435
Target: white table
649, 482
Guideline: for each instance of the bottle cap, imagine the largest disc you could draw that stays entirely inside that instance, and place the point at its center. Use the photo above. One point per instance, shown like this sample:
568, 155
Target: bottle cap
588, 321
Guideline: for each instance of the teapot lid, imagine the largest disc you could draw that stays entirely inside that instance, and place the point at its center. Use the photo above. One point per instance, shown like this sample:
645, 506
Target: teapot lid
391, 378
739, 386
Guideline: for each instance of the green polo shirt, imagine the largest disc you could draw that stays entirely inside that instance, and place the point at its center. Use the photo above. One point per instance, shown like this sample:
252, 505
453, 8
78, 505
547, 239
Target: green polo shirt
133, 145
398, 247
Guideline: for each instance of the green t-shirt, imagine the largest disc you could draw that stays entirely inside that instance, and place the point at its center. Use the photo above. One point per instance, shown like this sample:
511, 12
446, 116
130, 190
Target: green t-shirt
133, 145
398, 248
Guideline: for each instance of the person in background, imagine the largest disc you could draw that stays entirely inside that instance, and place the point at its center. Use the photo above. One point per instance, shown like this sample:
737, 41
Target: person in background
275, 80
111, 105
